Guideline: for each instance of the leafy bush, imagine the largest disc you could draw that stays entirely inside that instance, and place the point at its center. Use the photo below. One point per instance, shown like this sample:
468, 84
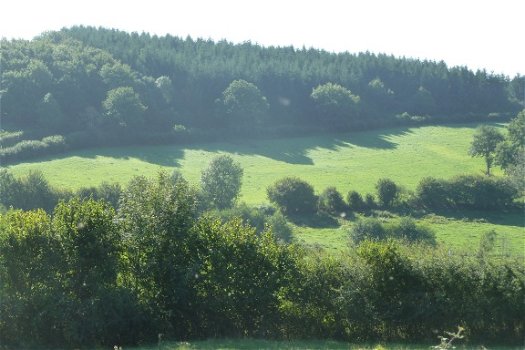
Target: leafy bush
33, 148
387, 191
28, 192
293, 196
370, 201
355, 201
487, 243
177, 176
90, 259
433, 193
28, 251
408, 230
248, 215
467, 191
367, 229
107, 192
259, 218
280, 228
481, 192
8, 139
331, 201
240, 276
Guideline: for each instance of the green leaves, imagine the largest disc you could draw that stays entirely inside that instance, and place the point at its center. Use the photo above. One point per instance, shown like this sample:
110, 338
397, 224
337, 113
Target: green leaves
387, 191
221, 182
124, 106
334, 102
91, 245
484, 143
242, 103
293, 196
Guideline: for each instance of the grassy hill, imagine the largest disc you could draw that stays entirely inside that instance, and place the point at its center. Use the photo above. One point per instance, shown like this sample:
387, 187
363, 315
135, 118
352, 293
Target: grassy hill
350, 161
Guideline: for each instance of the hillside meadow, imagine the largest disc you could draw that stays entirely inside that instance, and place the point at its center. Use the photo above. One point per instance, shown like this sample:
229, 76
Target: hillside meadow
349, 161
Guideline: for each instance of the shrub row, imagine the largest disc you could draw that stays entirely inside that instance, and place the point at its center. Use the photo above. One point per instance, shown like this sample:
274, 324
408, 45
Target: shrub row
33, 191
33, 148
385, 292
371, 229
15, 148
92, 277
468, 191
295, 196
8, 139
259, 218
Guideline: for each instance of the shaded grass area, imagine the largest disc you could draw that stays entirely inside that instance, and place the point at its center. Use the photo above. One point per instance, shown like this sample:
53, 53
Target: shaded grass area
350, 161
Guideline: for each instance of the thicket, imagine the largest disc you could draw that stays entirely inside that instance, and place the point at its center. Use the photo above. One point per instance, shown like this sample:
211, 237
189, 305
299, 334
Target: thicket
260, 218
467, 192
371, 229
331, 201
89, 276
33, 191
26, 149
28, 192
293, 196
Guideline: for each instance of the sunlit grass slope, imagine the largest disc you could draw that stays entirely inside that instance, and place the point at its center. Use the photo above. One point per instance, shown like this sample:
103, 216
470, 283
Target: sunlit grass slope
347, 161
351, 161
456, 234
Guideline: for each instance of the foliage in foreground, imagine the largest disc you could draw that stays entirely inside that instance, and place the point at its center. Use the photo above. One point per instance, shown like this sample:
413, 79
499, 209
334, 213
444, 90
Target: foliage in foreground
89, 276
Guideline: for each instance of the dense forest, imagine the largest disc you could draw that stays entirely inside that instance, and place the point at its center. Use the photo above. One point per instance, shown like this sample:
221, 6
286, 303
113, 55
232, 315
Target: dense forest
87, 86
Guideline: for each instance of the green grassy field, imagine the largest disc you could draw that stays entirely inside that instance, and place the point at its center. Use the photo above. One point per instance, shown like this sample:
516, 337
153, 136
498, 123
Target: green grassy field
455, 234
347, 161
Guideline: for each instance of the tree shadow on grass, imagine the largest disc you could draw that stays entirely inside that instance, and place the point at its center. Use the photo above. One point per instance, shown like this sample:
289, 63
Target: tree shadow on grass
514, 217
165, 155
318, 220
295, 150
291, 150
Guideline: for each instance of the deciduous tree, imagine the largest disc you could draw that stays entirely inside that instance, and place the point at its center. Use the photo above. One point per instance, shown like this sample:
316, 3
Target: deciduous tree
123, 105
335, 103
484, 143
221, 182
387, 191
242, 103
